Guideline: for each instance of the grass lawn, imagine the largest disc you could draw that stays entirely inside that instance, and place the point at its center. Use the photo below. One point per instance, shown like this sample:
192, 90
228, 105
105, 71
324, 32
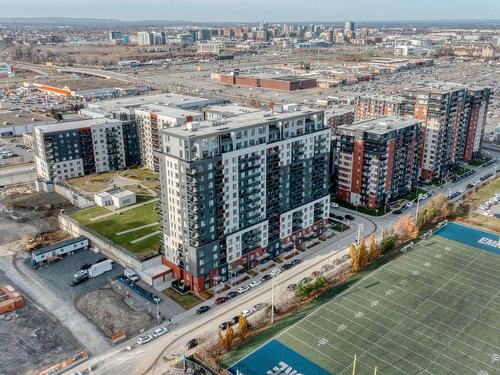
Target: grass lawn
93, 183
432, 310
411, 196
187, 301
140, 174
459, 171
476, 163
364, 210
109, 226
340, 227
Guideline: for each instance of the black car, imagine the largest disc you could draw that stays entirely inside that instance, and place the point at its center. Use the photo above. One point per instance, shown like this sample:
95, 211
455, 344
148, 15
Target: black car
349, 217
235, 320
404, 208
295, 262
78, 280
202, 309
85, 266
397, 212
231, 295
286, 267
224, 325
337, 217
266, 278
193, 343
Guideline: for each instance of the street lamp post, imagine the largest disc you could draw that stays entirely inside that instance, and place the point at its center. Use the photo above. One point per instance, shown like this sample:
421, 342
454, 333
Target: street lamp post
360, 228
418, 205
272, 301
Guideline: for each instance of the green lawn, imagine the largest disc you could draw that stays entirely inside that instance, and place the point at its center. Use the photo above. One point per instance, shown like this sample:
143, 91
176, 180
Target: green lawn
434, 310
364, 210
140, 173
136, 217
476, 163
187, 301
340, 227
411, 196
461, 170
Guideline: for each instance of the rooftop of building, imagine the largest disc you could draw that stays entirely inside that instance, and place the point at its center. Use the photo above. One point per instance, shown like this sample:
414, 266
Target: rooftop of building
231, 109
78, 124
163, 110
8, 118
246, 120
58, 245
386, 98
338, 111
381, 125
118, 192
168, 100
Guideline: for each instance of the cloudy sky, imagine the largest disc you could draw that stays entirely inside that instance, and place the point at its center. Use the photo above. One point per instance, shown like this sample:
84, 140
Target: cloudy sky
255, 10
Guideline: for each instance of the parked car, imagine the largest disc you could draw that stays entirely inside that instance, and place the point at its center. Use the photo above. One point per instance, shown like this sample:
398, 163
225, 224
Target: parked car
404, 208
85, 266
305, 280
144, 339
235, 320
397, 212
266, 277
291, 287
220, 300
78, 280
193, 343
315, 274
159, 332
255, 283
202, 309
246, 313
275, 272
243, 289
334, 205
295, 262
231, 295
224, 325
409, 204
259, 306
80, 273
349, 217
285, 267
337, 217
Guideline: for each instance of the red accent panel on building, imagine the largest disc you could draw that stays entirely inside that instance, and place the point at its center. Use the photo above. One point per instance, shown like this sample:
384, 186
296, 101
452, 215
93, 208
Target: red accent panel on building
357, 166
390, 163
471, 134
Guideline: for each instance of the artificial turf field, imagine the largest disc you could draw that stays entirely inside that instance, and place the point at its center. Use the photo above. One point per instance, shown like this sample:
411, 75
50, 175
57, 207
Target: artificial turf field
433, 310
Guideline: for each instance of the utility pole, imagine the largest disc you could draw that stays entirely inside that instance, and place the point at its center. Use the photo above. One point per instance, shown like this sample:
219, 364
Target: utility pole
272, 301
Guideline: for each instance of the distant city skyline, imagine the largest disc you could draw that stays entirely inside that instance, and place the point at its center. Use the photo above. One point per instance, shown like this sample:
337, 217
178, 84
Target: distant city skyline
257, 10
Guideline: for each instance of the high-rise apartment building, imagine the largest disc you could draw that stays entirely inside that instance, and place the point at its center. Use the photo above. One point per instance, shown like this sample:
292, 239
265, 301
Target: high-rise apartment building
78, 148
377, 160
453, 117
144, 38
150, 119
240, 190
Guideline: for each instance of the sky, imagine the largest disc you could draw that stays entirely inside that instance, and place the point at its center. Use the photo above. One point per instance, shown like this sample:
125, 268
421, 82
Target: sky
255, 10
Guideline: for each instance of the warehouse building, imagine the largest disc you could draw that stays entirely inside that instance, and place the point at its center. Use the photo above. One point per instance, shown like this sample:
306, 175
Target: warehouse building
271, 82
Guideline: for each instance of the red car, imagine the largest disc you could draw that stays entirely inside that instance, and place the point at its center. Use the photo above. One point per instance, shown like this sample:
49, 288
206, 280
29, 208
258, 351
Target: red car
220, 300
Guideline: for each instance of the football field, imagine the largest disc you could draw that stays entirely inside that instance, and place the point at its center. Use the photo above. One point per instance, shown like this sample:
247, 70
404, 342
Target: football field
433, 310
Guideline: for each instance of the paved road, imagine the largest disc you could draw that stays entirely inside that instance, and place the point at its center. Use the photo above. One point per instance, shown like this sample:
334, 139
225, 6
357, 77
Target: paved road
16, 175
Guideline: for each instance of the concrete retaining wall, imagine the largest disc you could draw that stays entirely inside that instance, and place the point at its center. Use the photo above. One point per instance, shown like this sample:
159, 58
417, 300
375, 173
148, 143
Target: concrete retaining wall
74, 198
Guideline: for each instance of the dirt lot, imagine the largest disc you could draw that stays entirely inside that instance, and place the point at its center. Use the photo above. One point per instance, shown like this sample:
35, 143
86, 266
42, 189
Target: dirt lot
106, 309
23, 215
35, 340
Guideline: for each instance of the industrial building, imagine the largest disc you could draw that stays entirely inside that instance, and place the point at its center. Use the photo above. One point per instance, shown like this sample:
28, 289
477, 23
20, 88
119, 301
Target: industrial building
240, 190
271, 82
77, 148
377, 160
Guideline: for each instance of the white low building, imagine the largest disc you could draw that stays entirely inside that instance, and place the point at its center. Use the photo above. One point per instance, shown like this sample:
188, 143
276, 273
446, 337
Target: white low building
116, 198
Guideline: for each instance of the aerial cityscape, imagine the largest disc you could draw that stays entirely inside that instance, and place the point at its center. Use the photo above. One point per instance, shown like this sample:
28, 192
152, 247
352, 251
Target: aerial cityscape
215, 187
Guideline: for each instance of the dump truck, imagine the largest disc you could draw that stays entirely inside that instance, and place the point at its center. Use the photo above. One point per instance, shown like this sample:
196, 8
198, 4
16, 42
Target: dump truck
100, 268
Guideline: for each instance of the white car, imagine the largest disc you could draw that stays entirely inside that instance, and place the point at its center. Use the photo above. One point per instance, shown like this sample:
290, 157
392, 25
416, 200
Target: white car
275, 272
259, 306
242, 289
80, 274
159, 332
409, 204
255, 283
144, 339
461, 190
246, 313
334, 205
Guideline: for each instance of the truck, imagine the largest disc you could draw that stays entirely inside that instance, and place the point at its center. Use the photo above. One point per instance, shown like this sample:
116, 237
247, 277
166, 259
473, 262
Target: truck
131, 274
100, 268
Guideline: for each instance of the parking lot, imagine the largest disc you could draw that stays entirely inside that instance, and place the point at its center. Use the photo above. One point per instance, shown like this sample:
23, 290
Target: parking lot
34, 340
60, 274
13, 152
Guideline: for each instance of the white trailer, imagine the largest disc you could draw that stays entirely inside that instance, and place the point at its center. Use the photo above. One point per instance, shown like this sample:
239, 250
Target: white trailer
100, 268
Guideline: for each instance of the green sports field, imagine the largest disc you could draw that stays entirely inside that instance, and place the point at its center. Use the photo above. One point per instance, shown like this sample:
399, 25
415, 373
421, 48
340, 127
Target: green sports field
434, 310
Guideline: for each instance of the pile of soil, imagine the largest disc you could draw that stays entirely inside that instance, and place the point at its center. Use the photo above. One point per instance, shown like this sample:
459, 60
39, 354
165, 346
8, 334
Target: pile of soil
107, 310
